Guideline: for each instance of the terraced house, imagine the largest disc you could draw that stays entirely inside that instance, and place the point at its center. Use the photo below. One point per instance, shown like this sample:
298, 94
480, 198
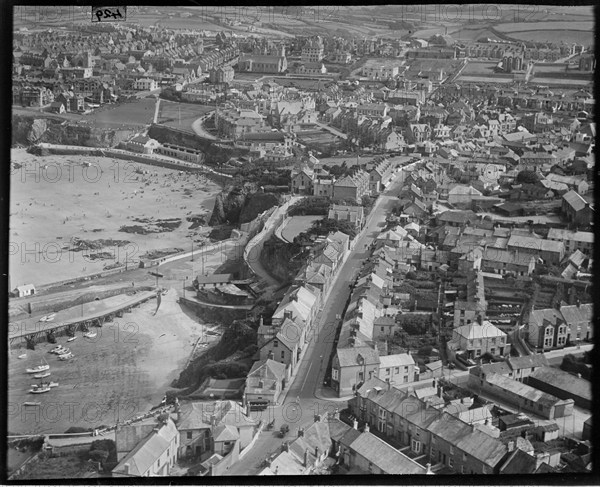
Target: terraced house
433, 436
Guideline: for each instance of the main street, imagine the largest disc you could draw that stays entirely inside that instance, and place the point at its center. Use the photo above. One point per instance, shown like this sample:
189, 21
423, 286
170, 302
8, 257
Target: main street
306, 396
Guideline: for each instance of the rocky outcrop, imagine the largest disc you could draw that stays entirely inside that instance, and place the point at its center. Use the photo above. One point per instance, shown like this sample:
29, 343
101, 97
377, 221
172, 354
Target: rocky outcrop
236, 205
30, 130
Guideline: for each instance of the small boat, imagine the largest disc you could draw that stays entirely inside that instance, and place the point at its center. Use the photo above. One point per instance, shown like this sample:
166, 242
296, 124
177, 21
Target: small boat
31, 403
72, 339
39, 368
39, 390
90, 334
45, 384
50, 317
63, 351
42, 375
66, 356
23, 356
58, 349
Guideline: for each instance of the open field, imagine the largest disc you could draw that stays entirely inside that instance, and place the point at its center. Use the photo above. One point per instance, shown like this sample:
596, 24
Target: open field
570, 36
297, 225
556, 26
48, 208
181, 115
484, 79
139, 112
125, 369
479, 68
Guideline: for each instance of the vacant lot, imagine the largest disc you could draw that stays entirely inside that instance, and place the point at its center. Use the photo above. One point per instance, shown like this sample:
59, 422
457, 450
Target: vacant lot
137, 113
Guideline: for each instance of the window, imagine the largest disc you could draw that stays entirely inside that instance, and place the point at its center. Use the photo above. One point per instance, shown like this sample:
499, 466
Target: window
450, 462
415, 446
464, 457
283, 354
334, 374
451, 450
387, 371
397, 370
275, 343
189, 435
406, 378
463, 469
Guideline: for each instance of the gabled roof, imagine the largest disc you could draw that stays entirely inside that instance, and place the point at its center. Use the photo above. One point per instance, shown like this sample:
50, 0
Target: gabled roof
475, 443
384, 456
575, 200
477, 331
397, 360
148, 450
351, 356
225, 432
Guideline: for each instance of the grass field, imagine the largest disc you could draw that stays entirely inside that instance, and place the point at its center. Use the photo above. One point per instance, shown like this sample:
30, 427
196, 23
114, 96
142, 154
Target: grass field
139, 112
297, 225
559, 25
570, 36
478, 68
181, 115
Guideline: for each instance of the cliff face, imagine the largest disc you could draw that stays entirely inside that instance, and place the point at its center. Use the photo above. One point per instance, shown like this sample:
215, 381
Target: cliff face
280, 259
30, 130
241, 205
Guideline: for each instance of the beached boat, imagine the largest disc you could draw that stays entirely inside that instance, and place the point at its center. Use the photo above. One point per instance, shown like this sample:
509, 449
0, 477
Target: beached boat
72, 339
63, 351
66, 356
89, 334
39, 390
42, 375
31, 403
39, 368
57, 350
46, 384
23, 356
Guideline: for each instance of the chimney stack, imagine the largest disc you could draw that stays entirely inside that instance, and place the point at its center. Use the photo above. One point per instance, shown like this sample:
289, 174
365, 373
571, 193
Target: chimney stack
511, 446
300, 432
285, 446
355, 424
317, 452
440, 391
336, 414
305, 462
366, 429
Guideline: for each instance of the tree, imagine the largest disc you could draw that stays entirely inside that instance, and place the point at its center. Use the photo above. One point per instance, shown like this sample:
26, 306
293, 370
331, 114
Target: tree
527, 177
99, 456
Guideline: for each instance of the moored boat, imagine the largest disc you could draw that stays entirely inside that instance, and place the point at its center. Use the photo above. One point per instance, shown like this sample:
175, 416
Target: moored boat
39, 390
42, 375
39, 368
72, 339
66, 356
31, 403
23, 356
90, 334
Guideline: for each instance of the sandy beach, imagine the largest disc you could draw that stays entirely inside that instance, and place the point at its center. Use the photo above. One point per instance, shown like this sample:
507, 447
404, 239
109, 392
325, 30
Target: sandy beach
56, 198
122, 372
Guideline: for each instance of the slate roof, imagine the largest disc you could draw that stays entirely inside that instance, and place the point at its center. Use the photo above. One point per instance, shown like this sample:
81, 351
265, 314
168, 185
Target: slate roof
148, 450
564, 381
349, 356
475, 443
575, 200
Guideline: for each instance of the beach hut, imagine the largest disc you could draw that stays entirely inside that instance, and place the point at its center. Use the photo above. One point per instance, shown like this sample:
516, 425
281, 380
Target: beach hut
25, 290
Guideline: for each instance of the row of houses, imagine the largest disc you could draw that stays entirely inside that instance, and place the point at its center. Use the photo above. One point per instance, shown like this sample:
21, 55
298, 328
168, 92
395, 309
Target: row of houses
282, 342
195, 429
